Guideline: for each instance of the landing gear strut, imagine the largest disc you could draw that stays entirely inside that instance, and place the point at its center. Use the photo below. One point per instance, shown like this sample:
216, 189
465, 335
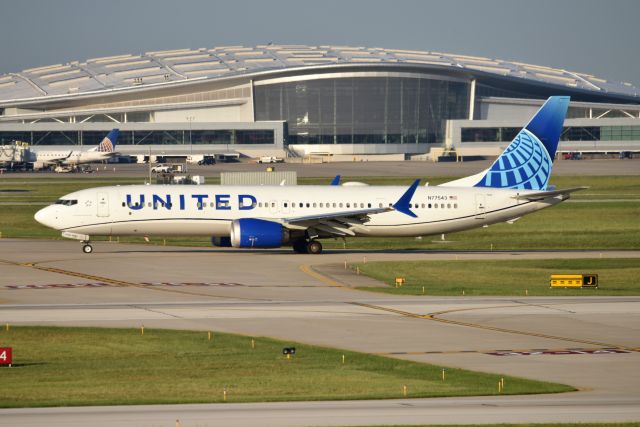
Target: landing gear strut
307, 247
87, 248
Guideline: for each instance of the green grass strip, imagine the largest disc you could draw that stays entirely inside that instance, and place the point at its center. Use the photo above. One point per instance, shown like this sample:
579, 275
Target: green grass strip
93, 366
504, 277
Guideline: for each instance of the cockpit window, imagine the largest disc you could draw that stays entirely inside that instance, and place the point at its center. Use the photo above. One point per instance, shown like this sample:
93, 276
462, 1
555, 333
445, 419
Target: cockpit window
67, 202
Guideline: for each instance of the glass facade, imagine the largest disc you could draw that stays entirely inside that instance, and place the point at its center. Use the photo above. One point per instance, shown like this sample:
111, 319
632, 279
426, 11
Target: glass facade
620, 133
363, 110
156, 137
571, 133
500, 92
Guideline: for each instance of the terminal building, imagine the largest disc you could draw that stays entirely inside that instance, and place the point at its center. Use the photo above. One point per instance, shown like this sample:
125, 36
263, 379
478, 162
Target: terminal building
297, 101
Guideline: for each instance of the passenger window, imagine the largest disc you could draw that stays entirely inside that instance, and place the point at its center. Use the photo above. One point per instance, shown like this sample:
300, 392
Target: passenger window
321, 204
273, 205
285, 204
435, 205
448, 205
340, 204
441, 205
429, 205
455, 206
348, 205
123, 204
308, 204
314, 205
368, 205
362, 205
334, 204
379, 205
423, 206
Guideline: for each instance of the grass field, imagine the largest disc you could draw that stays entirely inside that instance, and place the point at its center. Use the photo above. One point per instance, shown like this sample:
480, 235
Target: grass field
603, 217
93, 366
504, 277
632, 424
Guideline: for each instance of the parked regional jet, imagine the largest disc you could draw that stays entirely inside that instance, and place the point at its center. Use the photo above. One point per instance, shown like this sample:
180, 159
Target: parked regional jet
102, 151
299, 216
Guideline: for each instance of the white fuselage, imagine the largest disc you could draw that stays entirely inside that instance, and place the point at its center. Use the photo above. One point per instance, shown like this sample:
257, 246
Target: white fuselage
208, 210
68, 158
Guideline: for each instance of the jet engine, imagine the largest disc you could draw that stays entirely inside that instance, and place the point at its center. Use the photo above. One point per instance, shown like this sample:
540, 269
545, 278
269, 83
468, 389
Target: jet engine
258, 233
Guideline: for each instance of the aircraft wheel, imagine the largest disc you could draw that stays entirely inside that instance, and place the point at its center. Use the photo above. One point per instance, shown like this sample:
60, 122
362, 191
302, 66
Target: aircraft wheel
87, 249
314, 247
300, 246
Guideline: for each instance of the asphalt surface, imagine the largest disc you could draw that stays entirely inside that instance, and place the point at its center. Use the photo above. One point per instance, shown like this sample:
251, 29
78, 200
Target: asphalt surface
590, 342
395, 168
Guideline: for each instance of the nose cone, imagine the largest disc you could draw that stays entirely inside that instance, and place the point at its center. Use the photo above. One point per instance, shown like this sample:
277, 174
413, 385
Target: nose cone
47, 216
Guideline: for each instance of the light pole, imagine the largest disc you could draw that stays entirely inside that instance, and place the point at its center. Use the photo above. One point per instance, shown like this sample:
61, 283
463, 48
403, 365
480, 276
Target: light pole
190, 119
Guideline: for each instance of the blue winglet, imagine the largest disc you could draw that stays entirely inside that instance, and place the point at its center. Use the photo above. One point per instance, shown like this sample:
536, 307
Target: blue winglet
404, 203
336, 180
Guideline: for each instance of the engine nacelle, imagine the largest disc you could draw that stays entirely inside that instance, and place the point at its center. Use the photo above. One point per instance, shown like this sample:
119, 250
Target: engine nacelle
258, 233
221, 242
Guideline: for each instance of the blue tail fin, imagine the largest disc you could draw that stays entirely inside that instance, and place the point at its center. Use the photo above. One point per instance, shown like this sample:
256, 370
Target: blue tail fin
527, 161
108, 144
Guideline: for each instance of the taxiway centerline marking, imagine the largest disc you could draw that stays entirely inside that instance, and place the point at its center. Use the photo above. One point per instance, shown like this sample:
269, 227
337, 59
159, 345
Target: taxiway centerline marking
308, 269
116, 282
432, 317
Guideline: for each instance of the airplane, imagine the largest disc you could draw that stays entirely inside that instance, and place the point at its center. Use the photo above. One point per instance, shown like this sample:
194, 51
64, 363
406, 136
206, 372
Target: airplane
516, 184
102, 151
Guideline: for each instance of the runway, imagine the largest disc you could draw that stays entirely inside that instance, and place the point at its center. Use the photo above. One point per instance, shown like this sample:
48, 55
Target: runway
591, 343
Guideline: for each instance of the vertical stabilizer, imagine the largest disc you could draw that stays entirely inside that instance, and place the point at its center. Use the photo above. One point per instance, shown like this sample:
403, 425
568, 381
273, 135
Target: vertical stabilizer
108, 144
527, 161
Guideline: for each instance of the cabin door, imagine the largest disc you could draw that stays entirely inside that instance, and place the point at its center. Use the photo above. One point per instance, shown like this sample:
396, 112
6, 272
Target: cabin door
481, 206
103, 204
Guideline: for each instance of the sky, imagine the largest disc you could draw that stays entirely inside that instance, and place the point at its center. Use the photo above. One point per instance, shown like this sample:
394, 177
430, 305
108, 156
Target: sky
591, 36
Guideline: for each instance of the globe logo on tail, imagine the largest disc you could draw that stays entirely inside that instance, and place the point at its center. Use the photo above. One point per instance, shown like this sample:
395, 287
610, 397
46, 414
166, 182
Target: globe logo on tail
525, 164
106, 146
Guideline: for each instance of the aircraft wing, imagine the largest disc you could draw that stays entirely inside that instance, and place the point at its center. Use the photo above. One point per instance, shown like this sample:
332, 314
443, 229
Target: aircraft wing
336, 223
343, 223
546, 194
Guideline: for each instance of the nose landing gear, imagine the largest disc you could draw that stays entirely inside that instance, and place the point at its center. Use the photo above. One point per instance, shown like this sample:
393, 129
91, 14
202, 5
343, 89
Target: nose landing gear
86, 247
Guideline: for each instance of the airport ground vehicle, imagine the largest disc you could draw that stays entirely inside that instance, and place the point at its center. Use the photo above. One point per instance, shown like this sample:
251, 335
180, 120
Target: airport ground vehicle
270, 159
162, 168
207, 160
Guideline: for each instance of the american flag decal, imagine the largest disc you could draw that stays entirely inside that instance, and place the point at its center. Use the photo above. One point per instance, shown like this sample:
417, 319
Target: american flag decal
453, 197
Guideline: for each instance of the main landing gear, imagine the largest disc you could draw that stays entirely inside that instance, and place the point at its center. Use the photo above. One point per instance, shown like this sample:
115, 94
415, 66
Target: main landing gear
307, 247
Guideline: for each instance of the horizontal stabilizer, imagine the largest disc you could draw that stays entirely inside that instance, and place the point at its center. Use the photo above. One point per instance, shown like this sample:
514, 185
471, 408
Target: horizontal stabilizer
546, 194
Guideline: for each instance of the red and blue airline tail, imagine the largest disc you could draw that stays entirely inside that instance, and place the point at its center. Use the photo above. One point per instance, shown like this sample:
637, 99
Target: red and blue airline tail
527, 161
108, 144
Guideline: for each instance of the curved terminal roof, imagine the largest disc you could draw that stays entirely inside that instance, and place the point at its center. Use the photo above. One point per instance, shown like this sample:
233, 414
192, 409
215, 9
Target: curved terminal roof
130, 72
